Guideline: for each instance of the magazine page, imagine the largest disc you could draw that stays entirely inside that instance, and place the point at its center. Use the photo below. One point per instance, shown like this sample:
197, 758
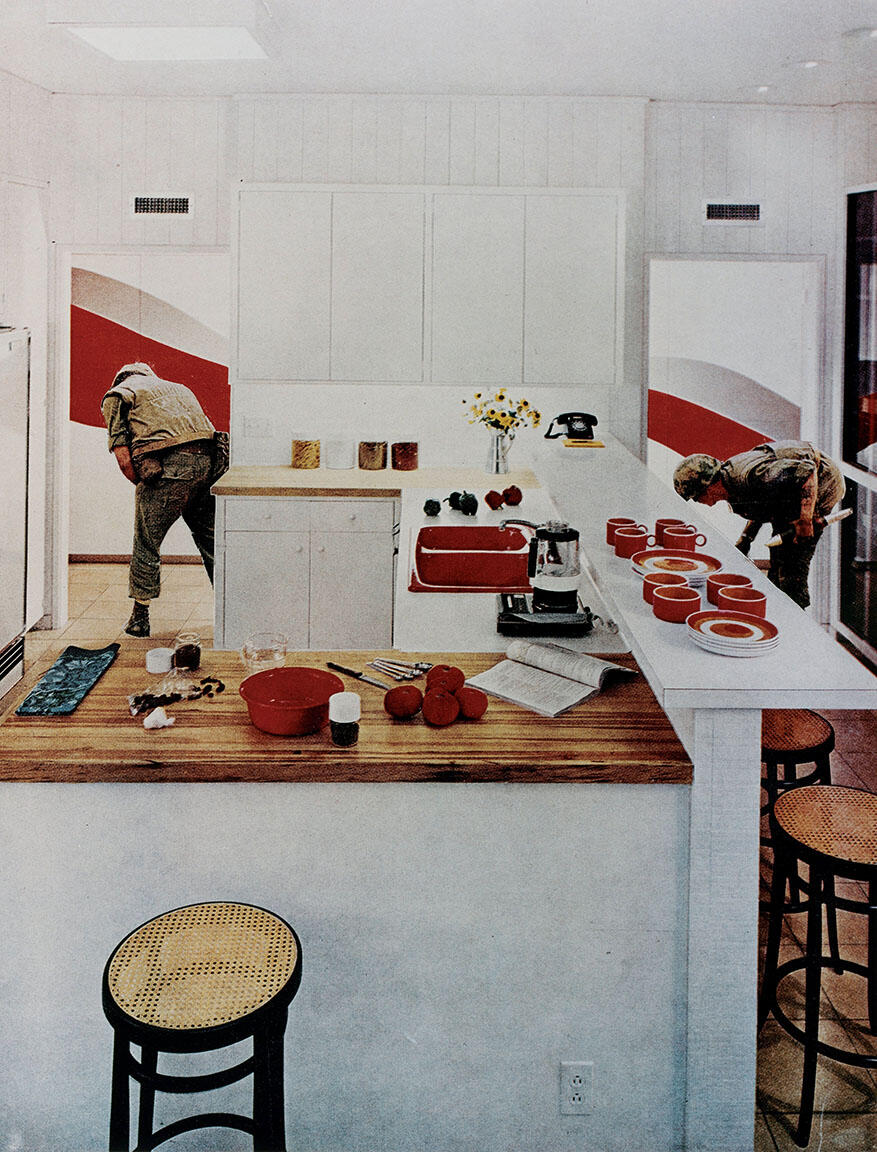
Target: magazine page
563, 662
533, 688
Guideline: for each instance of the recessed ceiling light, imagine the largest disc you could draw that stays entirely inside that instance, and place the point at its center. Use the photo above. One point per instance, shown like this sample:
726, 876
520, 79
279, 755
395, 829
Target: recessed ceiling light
861, 34
204, 43
764, 88
810, 63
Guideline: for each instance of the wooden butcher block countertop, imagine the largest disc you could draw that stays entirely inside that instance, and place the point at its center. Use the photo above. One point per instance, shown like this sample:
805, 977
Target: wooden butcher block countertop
620, 735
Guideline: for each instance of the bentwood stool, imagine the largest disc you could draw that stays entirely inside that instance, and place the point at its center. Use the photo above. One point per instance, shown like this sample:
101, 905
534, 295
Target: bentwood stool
792, 739
833, 830
197, 979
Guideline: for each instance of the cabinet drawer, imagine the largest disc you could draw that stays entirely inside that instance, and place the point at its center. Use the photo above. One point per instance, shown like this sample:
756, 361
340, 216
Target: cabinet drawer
352, 515
271, 513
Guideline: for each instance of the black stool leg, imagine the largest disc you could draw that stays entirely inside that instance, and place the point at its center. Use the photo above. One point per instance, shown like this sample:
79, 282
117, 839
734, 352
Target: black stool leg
774, 934
146, 1112
872, 955
813, 990
120, 1097
268, 1095
790, 775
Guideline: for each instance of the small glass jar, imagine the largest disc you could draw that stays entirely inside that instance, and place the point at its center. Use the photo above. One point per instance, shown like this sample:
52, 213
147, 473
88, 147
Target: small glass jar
187, 652
372, 454
404, 455
345, 709
306, 453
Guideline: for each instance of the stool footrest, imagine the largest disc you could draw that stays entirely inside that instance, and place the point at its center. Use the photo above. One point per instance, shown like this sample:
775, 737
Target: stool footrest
182, 1084
842, 1055
192, 1123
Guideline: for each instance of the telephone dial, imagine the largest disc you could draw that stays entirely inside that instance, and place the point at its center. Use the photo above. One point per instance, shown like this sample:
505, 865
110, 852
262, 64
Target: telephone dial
579, 426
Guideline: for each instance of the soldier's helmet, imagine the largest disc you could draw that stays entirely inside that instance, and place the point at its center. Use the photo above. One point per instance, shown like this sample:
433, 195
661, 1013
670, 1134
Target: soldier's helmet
694, 475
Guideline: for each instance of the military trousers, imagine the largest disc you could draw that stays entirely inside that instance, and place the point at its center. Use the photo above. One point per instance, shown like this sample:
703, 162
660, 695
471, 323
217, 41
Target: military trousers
183, 490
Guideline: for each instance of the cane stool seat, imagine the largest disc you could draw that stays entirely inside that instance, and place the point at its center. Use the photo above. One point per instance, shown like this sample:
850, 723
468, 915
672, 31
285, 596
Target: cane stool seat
196, 979
795, 730
832, 830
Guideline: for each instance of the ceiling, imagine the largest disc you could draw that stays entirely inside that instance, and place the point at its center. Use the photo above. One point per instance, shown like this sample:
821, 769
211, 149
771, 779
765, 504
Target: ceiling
704, 50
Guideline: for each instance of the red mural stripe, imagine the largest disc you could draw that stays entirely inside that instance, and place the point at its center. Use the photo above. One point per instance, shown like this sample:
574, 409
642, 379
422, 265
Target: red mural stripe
686, 428
98, 349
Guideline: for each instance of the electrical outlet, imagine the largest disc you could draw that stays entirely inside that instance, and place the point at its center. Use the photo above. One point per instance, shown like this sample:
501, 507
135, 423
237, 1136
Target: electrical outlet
576, 1087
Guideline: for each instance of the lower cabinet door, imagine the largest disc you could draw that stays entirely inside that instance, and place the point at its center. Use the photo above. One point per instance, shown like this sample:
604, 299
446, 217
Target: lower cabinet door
266, 586
351, 590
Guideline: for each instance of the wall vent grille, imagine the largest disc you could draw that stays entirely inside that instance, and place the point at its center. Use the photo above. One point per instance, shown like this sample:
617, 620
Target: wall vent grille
11, 655
161, 204
726, 212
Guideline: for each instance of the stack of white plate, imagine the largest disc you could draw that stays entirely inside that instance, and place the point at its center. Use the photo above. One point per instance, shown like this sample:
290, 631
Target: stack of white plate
730, 633
695, 566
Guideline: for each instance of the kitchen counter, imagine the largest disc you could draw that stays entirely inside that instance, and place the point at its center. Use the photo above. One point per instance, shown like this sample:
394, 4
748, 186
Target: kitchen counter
252, 480
618, 736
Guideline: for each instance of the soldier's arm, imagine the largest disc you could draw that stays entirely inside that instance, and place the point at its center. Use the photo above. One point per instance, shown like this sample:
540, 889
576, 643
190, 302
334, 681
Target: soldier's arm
804, 524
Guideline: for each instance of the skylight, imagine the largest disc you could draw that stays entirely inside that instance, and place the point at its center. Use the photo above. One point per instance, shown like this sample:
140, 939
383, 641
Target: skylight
182, 43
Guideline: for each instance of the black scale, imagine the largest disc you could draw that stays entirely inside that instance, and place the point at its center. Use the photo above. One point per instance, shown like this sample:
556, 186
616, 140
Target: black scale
516, 616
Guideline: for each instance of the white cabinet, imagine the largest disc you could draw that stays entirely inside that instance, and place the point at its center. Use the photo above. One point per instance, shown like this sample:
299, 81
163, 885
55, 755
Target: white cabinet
318, 570
495, 286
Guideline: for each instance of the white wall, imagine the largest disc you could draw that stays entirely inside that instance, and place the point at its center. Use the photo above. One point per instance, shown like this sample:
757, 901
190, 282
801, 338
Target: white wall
458, 942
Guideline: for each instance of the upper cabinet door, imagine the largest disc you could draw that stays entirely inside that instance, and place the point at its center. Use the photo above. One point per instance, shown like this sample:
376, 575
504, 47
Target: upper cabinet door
377, 286
571, 248
477, 288
284, 281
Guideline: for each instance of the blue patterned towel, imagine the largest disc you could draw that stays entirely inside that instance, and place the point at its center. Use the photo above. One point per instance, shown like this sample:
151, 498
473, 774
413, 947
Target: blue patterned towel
68, 681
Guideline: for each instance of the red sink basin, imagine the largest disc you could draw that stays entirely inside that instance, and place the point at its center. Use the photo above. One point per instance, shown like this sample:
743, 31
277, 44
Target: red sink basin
463, 558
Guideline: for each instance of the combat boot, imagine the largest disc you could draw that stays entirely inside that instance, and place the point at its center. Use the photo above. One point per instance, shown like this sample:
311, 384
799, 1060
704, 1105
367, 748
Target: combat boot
138, 625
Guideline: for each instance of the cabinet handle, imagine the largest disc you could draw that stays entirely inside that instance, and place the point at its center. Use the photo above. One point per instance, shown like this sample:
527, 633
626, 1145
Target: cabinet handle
321, 548
352, 516
300, 548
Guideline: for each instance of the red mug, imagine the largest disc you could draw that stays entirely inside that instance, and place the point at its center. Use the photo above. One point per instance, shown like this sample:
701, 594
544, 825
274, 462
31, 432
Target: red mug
653, 580
630, 540
675, 603
719, 580
663, 524
617, 522
743, 600
686, 538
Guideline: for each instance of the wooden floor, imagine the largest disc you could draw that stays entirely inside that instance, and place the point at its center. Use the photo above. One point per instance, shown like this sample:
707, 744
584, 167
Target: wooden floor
846, 1098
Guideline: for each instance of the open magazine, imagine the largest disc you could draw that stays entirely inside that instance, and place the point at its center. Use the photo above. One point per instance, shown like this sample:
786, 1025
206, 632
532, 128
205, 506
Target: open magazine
546, 678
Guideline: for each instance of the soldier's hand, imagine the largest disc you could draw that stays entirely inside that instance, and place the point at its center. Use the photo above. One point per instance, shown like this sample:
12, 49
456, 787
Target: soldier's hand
126, 465
803, 529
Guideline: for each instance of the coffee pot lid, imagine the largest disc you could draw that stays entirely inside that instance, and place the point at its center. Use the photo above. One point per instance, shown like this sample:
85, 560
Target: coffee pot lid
557, 530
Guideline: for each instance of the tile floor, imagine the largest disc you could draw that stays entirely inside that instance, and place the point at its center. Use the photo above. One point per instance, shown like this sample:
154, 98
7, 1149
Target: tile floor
845, 1118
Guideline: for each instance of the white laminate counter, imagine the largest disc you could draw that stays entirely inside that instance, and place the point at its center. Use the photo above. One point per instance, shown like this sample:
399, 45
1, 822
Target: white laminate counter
808, 669
463, 621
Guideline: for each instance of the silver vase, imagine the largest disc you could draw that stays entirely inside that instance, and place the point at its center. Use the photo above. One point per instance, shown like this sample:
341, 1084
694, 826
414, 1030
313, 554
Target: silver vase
498, 453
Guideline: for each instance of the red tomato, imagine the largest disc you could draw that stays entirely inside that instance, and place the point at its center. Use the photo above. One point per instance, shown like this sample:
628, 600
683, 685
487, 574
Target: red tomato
445, 676
404, 701
472, 701
440, 707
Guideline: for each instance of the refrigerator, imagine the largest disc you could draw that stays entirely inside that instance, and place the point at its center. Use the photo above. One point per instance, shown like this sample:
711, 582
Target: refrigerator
14, 409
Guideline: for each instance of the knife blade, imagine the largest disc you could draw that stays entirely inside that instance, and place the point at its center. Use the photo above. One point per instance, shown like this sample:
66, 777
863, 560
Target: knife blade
357, 675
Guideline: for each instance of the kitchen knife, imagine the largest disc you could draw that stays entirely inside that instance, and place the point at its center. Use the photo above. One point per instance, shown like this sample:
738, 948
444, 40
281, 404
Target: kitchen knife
356, 675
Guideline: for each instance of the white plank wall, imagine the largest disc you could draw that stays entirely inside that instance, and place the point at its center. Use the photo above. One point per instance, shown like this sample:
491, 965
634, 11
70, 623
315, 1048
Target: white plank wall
109, 150
858, 144
24, 141
484, 141
784, 158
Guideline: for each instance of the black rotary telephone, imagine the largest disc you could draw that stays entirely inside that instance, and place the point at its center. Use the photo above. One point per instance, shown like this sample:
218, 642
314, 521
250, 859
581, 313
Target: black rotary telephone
579, 426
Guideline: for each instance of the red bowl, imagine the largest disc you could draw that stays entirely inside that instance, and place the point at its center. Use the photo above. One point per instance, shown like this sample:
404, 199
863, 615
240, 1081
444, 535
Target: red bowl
290, 701
673, 602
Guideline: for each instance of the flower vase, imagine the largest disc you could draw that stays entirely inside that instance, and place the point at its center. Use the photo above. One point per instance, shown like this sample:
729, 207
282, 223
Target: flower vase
497, 456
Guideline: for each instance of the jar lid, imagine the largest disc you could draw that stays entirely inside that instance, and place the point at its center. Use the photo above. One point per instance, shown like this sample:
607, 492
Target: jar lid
345, 707
159, 660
